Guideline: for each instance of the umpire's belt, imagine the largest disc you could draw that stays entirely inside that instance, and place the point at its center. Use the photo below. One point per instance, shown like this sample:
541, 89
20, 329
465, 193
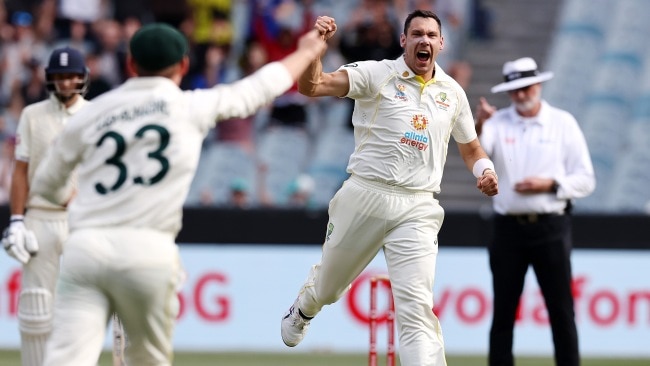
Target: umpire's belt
531, 218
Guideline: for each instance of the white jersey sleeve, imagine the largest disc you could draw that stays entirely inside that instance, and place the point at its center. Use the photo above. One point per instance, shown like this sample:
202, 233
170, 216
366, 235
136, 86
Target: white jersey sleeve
241, 98
464, 130
138, 147
23, 141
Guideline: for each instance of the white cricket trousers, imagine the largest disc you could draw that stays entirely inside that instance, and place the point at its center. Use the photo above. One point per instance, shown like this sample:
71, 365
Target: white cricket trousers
364, 217
38, 281
133, 272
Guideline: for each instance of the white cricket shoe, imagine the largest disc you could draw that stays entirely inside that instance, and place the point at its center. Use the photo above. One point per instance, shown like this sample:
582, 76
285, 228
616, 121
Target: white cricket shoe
294, 326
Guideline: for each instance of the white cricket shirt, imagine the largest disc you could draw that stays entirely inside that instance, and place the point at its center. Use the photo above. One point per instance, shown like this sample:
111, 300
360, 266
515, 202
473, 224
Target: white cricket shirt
39, 125
550, 145
138, 147
402, 125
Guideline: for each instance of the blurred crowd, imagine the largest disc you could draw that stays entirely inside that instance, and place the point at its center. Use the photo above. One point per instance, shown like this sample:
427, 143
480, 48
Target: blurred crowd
229, 39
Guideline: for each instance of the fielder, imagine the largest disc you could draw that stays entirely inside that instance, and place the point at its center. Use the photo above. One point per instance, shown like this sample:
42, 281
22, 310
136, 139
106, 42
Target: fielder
38, 228
137, 150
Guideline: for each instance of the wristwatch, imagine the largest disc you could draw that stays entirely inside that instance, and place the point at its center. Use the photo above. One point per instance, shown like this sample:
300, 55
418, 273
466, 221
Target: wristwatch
555, 186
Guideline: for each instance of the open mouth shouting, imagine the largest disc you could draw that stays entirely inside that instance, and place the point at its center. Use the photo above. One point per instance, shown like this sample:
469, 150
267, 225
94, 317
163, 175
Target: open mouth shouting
423, 56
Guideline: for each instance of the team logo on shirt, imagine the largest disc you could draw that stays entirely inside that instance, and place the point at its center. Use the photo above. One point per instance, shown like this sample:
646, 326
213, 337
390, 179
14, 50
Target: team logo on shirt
415, 140
330, 229
400, 95
420, 122
442, 101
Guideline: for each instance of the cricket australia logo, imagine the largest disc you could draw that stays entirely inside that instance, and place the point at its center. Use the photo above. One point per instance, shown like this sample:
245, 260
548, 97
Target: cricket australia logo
400, 95
420, 122
442, 101
330, 229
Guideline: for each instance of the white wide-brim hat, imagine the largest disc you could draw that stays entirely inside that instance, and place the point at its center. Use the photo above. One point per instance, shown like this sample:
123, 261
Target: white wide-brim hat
520, 73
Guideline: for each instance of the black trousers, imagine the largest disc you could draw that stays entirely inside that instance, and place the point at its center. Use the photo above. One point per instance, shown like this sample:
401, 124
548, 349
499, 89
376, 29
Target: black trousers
543, 241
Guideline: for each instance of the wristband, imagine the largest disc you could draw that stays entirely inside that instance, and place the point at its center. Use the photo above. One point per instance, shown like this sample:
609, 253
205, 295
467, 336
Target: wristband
16, 218
480, 165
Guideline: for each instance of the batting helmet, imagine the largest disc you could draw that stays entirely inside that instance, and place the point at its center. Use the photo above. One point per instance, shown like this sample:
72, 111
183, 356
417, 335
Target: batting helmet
66, 60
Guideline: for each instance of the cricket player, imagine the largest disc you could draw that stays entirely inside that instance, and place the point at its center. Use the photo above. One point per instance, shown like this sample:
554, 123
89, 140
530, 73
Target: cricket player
405, 112
136, 151
38, 228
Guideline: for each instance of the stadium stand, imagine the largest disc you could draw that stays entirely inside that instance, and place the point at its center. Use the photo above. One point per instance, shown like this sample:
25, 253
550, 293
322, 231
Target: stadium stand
597, 49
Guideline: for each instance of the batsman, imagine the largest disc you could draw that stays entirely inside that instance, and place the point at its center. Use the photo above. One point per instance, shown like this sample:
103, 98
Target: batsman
38, 228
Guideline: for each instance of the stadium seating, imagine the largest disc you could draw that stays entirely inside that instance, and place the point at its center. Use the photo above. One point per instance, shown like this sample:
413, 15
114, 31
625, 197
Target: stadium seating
600, 56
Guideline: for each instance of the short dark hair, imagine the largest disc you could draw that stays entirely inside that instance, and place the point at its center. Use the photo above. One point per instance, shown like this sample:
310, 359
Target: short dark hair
421, 14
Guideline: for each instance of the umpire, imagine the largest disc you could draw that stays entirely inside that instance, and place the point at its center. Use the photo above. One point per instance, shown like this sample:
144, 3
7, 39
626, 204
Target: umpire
543, 163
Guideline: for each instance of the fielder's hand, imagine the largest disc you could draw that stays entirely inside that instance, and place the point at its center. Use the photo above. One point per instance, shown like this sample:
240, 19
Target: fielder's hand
19, 242
326, 27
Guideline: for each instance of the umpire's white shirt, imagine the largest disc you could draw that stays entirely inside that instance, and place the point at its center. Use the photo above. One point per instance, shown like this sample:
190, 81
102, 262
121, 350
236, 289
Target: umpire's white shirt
403, 125
550, 145
139, 145
39, 124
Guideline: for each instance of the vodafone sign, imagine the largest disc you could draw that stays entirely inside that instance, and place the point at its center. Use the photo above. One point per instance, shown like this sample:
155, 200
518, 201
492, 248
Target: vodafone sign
235, 295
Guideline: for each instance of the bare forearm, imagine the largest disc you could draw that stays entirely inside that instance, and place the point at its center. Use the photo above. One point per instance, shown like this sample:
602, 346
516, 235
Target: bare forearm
310, 47
310, 78
471, 153
19, 189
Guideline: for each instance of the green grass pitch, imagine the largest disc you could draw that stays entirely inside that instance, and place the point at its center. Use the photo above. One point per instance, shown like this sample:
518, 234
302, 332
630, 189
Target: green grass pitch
12, 358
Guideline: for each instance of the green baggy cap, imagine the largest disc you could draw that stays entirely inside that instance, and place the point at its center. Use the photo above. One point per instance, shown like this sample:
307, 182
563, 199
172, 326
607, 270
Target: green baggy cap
156, 46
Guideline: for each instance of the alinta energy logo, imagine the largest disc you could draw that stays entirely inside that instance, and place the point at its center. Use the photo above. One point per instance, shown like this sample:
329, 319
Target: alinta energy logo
414, 139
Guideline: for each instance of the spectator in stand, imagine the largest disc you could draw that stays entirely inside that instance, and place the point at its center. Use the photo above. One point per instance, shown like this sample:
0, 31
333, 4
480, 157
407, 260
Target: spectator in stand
371, 33
77, 38
211, 20
88, 11
242, 131
300, 192
17, 53
97, 82
11, 113
211, 68
239, 194
172, 12
112, 50
7, 145
276, 24
33, 90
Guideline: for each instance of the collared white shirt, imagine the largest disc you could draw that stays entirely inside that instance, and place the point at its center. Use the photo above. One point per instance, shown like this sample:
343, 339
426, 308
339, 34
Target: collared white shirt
402, 125
39, 125
549, 145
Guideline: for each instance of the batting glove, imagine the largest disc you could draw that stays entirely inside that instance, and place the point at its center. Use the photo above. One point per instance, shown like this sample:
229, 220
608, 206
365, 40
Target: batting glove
19, 242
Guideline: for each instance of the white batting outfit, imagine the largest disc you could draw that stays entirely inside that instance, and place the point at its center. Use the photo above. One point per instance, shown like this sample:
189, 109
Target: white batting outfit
137, 150
39, 124
402, 127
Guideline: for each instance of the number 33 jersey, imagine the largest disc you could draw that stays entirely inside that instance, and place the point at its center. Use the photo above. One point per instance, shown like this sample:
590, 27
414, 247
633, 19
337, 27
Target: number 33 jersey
137, 148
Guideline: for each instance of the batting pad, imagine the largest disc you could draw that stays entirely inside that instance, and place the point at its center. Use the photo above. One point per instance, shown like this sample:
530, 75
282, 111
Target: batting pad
35, 311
